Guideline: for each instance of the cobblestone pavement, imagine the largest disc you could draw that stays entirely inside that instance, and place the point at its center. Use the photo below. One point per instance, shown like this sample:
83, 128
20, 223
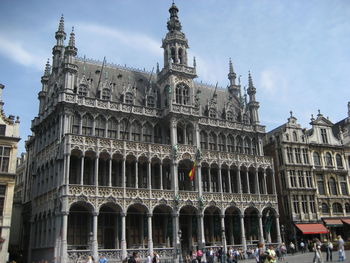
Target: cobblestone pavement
306, 258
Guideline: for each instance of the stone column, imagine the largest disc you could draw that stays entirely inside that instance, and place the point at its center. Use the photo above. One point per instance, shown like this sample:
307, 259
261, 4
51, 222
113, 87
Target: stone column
149, 174
175, 178
264, 181
257, 187
150, 241
239, 182
123, 173
210, 184
229, 180
96, 170
67, 168
123, 241
94, 235
220, 179
64, 256
110, 162
201, 238
198, 178
161, 175
261, 231
244, 242
176, 239
136, 174
82, 170
223, 233
274, 182
247, 178
279, 239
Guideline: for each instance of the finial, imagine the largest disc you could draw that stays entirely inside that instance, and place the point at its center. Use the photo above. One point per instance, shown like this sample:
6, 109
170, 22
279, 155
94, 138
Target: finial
312, 117
47, 68
61, 25
319, 113
231, 66
291, 114
72, 38
250, 80
157, 68
194, 62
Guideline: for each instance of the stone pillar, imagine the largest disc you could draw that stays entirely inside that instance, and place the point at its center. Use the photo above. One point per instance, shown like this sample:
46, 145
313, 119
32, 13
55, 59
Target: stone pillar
64, 256
274, 182
201, 238
229, 180
123, 173
82, 170
96, 171
244, 242
176, 239
198, 178
247, 178
261, 231
123, 241
239, 182
67, 168
110, 162
136, 174
257, 187
198, 137
209, 175
94, 235
150, 241
223, 233
173, 132
220, 179
149, 174
279, 239
174, 176
161, 175
264, 181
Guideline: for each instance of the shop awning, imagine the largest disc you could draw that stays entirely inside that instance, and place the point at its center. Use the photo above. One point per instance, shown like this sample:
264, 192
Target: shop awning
312, 228
346, 221
333, 222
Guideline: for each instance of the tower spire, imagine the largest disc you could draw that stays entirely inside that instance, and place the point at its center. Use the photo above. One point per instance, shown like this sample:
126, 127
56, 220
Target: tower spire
47, 68
60, 34
71, 42
174, 23
251, 89
253, 104
233, 88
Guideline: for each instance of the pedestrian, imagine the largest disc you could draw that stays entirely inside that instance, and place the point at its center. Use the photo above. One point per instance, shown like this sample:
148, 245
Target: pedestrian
292, 248
102, 259
283, 251
259, 253
133, 258
302, 246
271, 255
317, 251
341, 251
199, 255
90, 259
329, 249
155, 258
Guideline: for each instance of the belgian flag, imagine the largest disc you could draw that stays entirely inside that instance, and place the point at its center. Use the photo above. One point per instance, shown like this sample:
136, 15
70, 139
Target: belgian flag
192, 172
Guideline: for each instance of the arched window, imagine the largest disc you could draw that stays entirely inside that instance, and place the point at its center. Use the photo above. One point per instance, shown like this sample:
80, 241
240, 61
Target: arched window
178, 94
150, 101
106, 94
222, 142
239, 144
337, 208
186, 95
295, 137
157, 134
332, 185
87, 124
76, 124
328, 159
136, 131
247, 146
287, 137
212, 113
129, 98
254, 146
112, 128
347, 208
180, 56
147, 132
124, 130
230, 143
325, 208
204, 140
339, 161
173, 55
229, 116
212, 141
100, 126
182, 94
82, 91
317, 159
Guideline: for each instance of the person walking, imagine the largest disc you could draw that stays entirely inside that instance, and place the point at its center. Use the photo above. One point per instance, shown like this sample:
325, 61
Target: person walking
271, 257
341, 251
259, 253
102, 259
302, 246
329, 249
90, 259
317, 251
283, 251
292, 248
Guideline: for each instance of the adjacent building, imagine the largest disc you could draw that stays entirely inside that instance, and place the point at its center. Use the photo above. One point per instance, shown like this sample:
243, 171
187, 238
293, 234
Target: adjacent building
9, 137
112, 147
312, 176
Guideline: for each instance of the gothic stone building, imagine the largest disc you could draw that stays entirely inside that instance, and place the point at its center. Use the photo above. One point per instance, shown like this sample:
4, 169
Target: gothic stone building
9, 137
312, 179
112, 148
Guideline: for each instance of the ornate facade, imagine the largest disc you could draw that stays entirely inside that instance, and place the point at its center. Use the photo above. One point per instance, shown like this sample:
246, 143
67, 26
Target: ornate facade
312, 179
112, 148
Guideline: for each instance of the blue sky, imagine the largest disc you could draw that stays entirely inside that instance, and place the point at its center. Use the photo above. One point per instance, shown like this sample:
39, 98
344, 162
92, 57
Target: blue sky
297, 51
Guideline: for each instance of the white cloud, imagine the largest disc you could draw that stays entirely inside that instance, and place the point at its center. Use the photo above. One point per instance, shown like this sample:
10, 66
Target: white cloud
273, 82
131, 39
14, 50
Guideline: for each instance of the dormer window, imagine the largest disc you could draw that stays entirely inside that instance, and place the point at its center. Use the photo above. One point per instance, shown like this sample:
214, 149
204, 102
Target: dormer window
129, 98
295, 137
106, 94
82, 91
229, 116
150, 101
212, 113
324, 136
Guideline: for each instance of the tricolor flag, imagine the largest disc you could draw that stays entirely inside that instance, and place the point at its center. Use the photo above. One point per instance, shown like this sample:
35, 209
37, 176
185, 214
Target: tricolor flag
192, 172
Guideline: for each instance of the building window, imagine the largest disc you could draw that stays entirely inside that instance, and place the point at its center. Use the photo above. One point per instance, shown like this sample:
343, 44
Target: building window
295, 137
76, 124
129, 98
324, 136
296, 204
222, 143
124, 130
2, 129
287, 137
339, 161
100, 126
106, 94
112, 128
304, 204
283, 180
82, 91
280, 156
308, 179
312, 204
87, 124
317, 159
150, 101
293, 178
347, 208
136, 131
325, 208
229, 116
182, 94
239, 144
332, 186
301, 179
328, 159
147, 132
4, 158
320, 184
290, 155
212, 141
337, 208
204, 140
212, 113
297, 155
2, 198
186, 95
305, 156
230, 144
343, 185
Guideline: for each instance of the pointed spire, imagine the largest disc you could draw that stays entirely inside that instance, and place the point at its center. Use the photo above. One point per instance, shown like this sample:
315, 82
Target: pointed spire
194, 62
250, 80
174, 22
71, 42
231, 67
47, 68
232, 78
61, 24
60, 34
